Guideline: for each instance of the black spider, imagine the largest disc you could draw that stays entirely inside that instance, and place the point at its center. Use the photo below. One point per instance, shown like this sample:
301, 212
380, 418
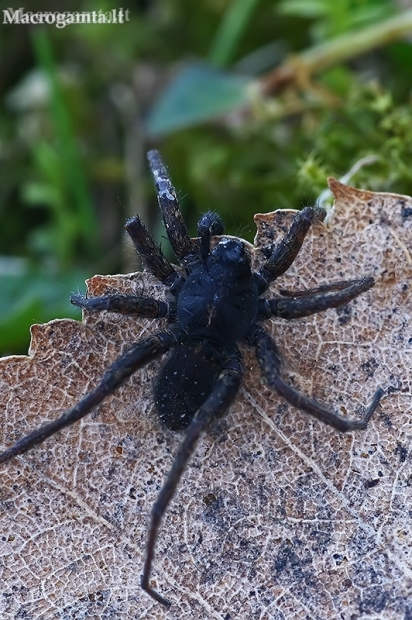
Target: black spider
215, 302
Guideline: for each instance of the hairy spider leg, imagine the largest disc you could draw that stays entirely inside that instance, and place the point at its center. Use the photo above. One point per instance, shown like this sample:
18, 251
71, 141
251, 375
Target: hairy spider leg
324, 288
147, 307
134, 358
182, 244
286, 251
269, 361
305, 303
209, 224
149, 251
216, 405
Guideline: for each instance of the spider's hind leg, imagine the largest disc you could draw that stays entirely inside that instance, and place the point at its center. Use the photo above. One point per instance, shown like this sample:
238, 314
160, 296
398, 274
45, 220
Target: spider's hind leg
216, 405
297, 304
135, 357
269, 361
177, 232
331, 287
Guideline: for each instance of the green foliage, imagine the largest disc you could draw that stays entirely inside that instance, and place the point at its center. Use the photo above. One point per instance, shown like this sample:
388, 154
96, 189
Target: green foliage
332, 19
370, 122
27, 297
229, 33
65, 187
198, 94
79, 101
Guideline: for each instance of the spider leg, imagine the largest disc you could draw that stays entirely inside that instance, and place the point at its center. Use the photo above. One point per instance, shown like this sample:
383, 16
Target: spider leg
134, 358
147, 307
286, 251
172, 216
209, 224
305, 303
269, 361
149, 251
216, 405
322, 288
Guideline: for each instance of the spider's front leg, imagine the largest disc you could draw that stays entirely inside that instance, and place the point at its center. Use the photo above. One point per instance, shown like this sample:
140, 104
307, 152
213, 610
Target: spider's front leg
216, 405
148, 250
269, 361
134, 358
175, 225
285, 253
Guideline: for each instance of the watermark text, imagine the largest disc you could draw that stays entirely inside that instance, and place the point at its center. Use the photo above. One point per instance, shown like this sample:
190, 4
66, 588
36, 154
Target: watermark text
61, 20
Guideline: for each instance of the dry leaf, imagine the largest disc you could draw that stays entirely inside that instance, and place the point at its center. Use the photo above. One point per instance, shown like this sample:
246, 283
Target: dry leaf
278, 516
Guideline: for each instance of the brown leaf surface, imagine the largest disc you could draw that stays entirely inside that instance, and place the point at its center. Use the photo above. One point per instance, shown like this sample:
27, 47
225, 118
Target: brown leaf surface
278, 516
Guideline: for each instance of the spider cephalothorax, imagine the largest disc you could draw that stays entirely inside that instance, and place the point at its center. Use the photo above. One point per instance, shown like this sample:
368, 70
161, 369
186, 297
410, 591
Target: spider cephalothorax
215, 303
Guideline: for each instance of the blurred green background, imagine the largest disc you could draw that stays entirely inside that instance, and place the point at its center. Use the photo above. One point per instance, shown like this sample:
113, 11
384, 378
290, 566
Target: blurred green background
252, 104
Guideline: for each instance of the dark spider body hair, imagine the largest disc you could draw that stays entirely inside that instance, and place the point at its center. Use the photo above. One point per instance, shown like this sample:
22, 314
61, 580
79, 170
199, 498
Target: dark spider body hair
218, 289
215, 303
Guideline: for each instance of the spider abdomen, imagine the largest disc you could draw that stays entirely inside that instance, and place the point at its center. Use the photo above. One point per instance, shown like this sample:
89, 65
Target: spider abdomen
185, 382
